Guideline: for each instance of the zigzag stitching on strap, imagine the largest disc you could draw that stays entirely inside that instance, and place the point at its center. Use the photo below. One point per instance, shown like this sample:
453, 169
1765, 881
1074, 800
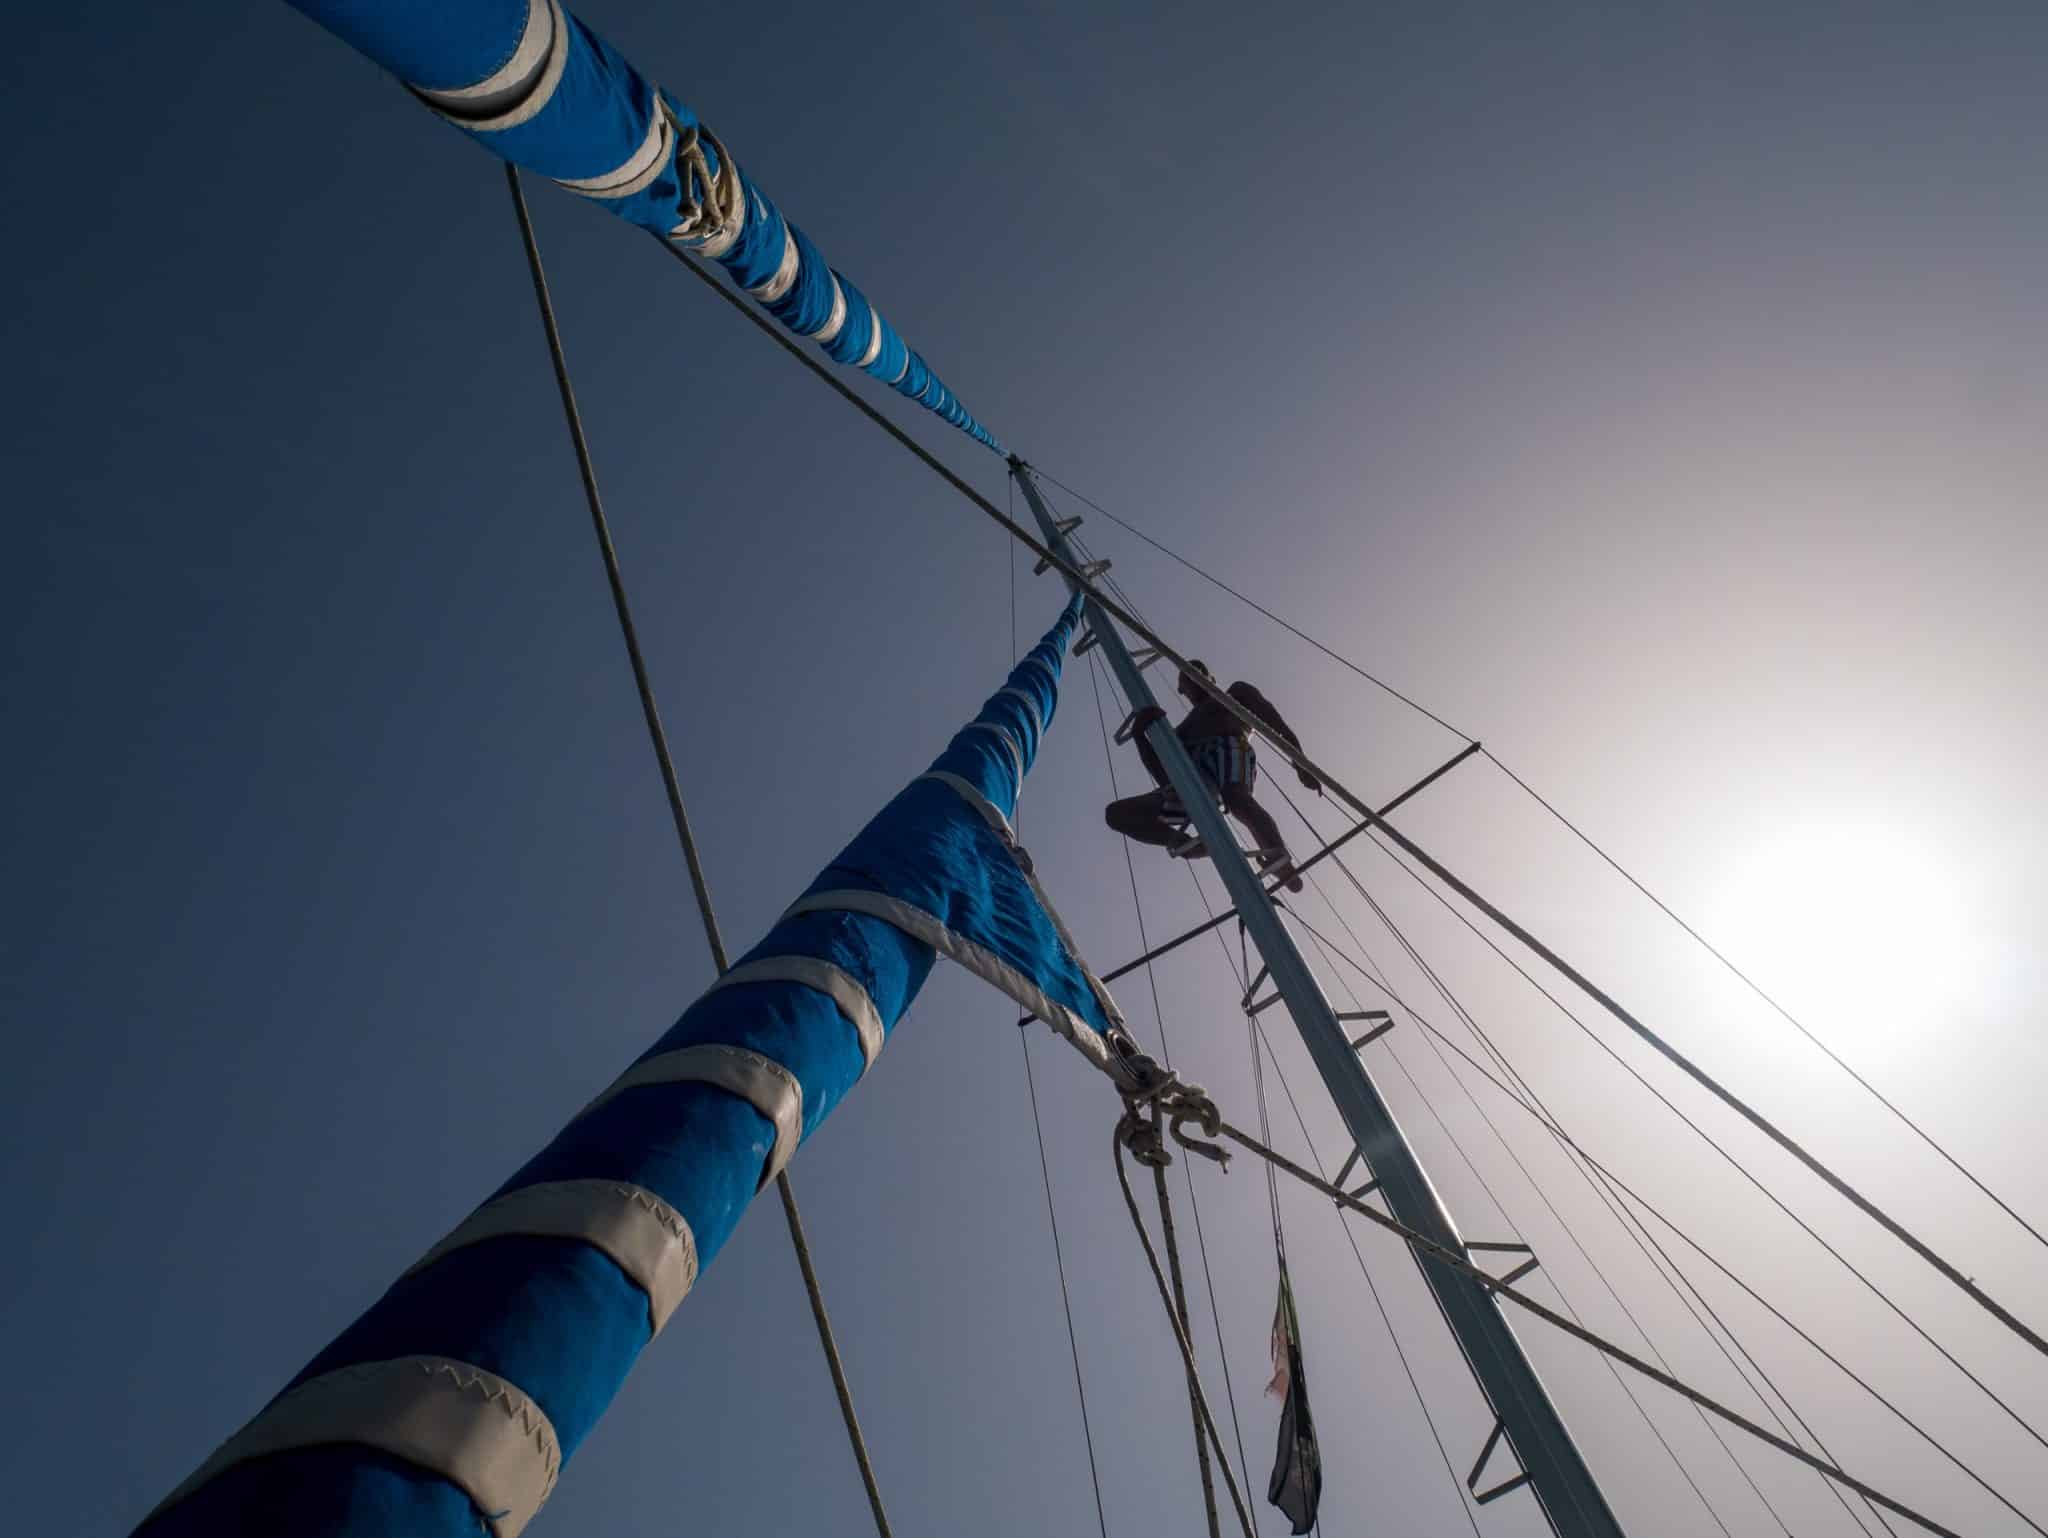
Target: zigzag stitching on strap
665, 1268
507, 1465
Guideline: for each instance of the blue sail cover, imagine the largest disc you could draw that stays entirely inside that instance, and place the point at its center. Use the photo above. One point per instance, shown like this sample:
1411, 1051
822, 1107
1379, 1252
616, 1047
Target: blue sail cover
449, 1407
537, 87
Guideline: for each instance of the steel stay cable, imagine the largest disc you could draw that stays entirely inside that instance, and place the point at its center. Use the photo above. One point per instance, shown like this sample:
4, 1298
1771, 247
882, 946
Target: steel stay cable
1574, 1156
1066, 1300
1302, 635
1059, 1254
1450, 999
1558, 1132
1500, 1208
672, 786
1757, 989
1423, 1244
1769, 1195
1578, 833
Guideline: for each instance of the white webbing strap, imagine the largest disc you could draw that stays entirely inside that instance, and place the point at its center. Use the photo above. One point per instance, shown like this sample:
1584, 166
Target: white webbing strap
1002, 735
978, 959
646, 1237
990, 812
1030, 705
640, 168
836, 317
762, 1082
784, 276
874, 338
516, 92
469, 1426
837, 984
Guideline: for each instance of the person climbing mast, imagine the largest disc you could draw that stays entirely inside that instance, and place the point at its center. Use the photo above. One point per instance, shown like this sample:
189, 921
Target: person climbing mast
1222, 750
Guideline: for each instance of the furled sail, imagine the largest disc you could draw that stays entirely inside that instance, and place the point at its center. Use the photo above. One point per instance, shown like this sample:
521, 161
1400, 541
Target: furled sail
536, 87
455, 1399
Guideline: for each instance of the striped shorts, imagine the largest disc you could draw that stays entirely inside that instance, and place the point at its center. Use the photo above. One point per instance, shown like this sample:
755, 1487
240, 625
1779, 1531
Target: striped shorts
1225, 761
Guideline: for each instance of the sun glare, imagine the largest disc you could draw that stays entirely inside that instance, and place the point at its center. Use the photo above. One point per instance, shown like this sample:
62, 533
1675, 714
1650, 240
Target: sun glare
1858, 928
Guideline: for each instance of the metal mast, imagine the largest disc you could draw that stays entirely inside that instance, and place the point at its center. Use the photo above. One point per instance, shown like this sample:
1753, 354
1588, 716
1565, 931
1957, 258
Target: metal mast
1564, 1486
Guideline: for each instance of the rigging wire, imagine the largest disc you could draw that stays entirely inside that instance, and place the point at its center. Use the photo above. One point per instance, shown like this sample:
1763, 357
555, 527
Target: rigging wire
1066, 1299
1628, 1224
1458, 1487
1879, 1293
1500, 1208
1693, 1244
1757, 989
1451, 1000
1744, 978
1052, 1215
673, 787
1423, 1244
1338, 658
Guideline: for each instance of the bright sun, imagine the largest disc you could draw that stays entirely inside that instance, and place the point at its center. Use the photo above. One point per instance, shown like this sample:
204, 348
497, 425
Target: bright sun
1856, 927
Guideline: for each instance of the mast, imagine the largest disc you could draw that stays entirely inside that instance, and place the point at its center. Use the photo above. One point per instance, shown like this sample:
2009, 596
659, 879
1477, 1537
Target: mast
1565, 1488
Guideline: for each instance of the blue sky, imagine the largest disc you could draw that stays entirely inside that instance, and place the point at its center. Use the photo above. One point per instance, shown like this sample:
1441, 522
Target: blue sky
1655, 391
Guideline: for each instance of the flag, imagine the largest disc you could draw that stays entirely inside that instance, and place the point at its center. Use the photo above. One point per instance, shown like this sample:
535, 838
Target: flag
1296, 1487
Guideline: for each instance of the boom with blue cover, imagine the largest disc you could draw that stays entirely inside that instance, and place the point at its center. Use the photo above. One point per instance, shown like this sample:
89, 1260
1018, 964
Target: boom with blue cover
449, 1407
538, 88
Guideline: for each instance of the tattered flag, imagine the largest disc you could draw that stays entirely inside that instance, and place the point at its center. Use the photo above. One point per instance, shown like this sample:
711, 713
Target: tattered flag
1296, 1487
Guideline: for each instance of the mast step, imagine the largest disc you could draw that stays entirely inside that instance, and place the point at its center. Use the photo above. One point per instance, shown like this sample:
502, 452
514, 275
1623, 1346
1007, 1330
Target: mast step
1506, 1248
1088, 642
1384, 1023
1481, 1497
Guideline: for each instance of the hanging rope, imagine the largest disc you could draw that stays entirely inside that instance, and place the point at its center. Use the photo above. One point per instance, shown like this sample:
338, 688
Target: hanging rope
1180, 1312
673, 786
1132, 1126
